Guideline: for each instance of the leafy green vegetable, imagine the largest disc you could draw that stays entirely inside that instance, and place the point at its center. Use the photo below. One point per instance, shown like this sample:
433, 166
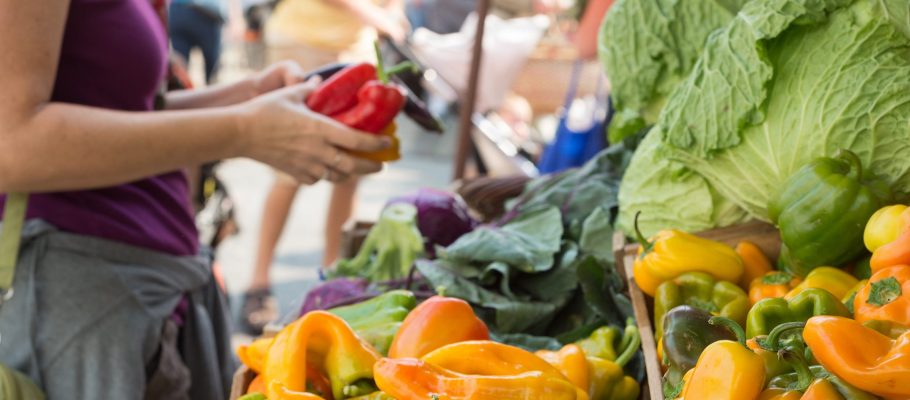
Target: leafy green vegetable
800, 93
784, 82
389, 250
528, 243
648, 47
669, 195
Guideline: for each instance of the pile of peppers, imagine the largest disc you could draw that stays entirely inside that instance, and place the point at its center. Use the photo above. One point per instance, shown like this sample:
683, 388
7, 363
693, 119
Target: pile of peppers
830, 321
386, 349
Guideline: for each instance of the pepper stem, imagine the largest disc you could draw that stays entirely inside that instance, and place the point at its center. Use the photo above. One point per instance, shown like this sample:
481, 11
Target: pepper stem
644, 243
384, 74
773, 340
855, 163
633, 343
380, 67
800, 365
732, 326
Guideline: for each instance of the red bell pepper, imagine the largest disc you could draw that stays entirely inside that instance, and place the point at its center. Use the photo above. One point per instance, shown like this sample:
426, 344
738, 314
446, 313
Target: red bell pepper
339, 92
362, 97
378, 101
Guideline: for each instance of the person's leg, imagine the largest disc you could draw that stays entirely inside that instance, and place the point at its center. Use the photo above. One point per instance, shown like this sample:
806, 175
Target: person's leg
274, 216
341, 206
259, 307
210, 44
179, 22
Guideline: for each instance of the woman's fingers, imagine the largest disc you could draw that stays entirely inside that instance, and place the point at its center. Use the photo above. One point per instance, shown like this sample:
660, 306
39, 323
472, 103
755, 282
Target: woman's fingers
352, 140
342, 162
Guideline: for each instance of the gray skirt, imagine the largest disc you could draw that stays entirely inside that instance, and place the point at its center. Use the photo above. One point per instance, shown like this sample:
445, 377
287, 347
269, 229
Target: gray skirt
91, 319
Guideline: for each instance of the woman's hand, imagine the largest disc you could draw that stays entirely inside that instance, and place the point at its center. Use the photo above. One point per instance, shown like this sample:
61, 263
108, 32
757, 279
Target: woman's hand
276, 76
279, 130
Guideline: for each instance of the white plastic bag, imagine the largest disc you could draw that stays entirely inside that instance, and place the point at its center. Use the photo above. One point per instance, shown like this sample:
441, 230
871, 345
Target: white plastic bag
507, 46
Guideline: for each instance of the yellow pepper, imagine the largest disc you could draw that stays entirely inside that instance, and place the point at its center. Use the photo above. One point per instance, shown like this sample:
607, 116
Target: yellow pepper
324, 340
885, 226
835, 281
726, 370
390, 154
254, 354
602, 379
571, 361
673, 252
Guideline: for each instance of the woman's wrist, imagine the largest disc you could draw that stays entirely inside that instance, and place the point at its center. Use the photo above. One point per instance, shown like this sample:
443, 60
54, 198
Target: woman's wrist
241, 137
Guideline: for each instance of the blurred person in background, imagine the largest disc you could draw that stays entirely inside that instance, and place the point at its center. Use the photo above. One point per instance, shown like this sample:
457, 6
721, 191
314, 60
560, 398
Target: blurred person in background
440, 16
196, 24
586, 37
314, 33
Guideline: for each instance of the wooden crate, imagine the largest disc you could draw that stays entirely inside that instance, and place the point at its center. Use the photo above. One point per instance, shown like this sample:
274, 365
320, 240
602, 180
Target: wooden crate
763, 235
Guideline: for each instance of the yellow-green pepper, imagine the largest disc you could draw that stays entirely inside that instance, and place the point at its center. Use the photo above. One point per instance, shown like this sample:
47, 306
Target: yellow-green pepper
673, 252
885, 226
700, 290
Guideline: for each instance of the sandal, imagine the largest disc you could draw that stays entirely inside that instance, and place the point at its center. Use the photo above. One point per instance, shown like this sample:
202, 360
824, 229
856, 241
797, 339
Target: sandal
258, 309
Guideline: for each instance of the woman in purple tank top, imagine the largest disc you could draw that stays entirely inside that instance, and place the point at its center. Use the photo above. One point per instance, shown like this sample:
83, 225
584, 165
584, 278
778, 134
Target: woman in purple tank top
109, 206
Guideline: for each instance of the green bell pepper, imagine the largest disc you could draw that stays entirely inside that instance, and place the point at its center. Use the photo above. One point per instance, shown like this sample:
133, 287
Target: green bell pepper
769, 313
822, 210
377, 320
686, 333
700, 290
601, 343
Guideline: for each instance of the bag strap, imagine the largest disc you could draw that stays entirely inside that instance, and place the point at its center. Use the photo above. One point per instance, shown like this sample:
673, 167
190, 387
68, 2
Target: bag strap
573, 83
10, 237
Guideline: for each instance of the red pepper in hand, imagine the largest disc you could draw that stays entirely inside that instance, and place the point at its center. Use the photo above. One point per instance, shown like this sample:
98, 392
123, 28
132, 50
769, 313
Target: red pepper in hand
361, 97
377, 105
378, 101
339, 92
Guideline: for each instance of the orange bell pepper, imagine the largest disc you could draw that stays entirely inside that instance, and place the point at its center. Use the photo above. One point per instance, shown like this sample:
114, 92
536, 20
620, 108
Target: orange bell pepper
436, 322
780, 394
412, 379
755, 263
893, 253
861, 356
774, 284
886, 297
476, 370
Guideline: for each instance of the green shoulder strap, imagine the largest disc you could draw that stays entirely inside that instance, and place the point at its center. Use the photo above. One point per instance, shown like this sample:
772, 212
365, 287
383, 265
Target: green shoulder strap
10, 236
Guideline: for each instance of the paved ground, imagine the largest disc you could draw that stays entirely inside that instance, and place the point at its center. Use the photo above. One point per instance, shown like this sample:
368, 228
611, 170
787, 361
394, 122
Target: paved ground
426, 163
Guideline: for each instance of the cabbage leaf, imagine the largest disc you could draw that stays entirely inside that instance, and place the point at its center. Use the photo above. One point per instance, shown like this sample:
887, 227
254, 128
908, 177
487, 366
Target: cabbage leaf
648, 47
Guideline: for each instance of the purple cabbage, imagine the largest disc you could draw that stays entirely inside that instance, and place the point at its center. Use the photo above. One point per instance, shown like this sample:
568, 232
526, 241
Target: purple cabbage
442, 217
336, 292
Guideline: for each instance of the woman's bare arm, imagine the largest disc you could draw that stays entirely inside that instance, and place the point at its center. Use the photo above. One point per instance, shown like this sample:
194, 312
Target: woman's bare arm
276, 76
378, 17
46, 146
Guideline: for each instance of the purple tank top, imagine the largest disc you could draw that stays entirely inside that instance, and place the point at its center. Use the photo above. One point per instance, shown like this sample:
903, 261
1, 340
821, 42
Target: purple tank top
114, 55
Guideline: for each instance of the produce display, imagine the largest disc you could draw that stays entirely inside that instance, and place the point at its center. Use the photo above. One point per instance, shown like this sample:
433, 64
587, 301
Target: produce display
440, 350
794, 113
828, 336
